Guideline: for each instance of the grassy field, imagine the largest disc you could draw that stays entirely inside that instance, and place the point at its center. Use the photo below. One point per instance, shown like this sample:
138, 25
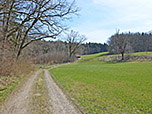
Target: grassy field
104, 87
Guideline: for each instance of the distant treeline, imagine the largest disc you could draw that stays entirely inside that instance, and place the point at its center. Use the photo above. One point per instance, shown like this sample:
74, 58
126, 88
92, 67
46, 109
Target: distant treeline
58, 51
92, 48
130, 42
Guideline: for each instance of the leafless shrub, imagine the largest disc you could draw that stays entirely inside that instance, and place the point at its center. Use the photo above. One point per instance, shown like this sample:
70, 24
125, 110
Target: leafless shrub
128, 58
15, 68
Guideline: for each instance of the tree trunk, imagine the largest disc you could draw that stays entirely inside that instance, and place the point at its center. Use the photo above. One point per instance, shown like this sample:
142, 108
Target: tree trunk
19, 53
122, 56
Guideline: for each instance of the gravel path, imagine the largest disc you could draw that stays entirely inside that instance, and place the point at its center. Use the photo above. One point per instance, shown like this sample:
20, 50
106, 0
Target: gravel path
18, 103
59, 103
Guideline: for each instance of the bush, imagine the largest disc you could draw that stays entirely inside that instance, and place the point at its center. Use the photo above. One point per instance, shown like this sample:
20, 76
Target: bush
15, 68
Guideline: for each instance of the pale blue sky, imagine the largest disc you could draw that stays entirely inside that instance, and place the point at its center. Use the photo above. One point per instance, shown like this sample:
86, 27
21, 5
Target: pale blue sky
99, 19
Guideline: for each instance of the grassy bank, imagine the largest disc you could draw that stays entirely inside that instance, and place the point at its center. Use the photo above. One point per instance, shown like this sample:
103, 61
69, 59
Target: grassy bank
105, 87
12, 74
7, 85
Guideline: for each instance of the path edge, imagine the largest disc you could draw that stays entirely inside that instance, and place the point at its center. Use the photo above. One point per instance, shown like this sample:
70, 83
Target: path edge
74, 102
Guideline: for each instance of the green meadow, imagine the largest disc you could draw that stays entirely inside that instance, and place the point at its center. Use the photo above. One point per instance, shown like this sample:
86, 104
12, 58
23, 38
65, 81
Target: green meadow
106, 87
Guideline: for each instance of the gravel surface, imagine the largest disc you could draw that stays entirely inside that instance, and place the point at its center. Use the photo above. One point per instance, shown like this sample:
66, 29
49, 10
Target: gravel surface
59, 103
18, 102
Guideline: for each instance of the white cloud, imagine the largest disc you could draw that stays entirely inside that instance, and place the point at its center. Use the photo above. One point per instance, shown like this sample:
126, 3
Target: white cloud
128, 10
122, 3
101, 17
100, 36
95, 35
135, 14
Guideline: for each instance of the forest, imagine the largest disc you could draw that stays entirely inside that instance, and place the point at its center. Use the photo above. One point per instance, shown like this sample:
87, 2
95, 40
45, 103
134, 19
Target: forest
23, 22
129, 42
26, 26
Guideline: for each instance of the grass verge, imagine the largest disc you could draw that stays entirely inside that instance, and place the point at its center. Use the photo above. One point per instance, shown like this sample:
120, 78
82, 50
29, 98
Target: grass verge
9, 83
39, 103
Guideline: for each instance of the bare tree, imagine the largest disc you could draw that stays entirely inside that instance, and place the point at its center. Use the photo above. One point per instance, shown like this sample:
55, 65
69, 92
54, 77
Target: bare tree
74, 40
119, 43
25, 21
48, 52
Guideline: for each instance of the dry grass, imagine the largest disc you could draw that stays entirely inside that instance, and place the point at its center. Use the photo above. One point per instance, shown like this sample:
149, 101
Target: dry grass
128, 58
12, 71
39, 103
15, 68
11, 74
22, 66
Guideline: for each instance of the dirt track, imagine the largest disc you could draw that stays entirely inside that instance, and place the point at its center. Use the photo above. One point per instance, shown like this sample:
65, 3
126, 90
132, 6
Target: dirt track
60, 104
18, 103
